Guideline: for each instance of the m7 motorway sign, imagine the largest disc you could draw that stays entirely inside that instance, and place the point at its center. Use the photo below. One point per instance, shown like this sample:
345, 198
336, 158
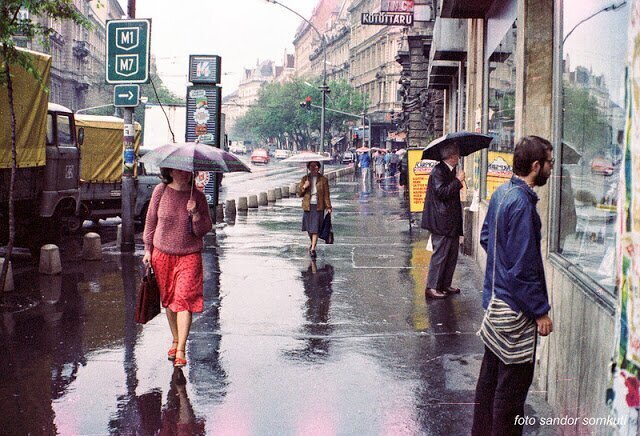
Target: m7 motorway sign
128, 51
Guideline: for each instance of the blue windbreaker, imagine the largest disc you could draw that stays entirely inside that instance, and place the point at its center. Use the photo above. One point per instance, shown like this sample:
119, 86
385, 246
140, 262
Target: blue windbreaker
519, 272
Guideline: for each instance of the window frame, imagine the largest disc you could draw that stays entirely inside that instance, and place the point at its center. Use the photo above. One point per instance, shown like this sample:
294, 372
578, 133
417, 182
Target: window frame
597, 293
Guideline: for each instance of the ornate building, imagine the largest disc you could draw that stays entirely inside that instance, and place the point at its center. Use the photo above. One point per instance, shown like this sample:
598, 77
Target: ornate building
78, 55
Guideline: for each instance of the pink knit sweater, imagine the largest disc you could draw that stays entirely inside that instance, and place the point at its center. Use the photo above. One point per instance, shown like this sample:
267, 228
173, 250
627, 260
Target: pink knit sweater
167, 224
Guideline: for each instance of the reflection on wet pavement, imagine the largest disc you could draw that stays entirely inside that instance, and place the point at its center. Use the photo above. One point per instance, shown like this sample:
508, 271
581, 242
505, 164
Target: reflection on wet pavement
285, 345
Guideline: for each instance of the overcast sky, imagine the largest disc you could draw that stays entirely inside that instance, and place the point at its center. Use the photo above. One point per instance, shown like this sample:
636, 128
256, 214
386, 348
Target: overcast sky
240, 31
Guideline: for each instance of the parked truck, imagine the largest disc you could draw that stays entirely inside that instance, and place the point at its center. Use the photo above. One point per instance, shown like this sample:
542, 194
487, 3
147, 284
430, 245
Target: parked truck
46, 192
101, 169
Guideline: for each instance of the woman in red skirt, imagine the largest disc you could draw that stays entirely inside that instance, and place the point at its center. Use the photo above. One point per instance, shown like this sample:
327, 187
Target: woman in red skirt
177, 220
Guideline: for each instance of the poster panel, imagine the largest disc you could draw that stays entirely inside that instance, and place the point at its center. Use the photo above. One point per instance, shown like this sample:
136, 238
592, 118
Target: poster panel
419, 171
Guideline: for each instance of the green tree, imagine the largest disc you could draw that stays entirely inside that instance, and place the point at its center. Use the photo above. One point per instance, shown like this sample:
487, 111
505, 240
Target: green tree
278, 110
583, 124
13, 23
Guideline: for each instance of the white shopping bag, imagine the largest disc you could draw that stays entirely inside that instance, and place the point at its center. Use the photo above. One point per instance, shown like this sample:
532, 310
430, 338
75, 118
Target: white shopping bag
429, 244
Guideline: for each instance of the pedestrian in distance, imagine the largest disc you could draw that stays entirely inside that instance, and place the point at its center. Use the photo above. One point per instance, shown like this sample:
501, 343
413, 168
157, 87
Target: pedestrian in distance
364, 162
514, 294
379, 161
177, 220
442, 216
316, 198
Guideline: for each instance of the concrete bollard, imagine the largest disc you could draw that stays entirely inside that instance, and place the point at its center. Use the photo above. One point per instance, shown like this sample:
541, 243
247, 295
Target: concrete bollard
271, 195
219, 213
50, 260
292, 189
119, 235
253, 202
230, 207
242, 203
278, 192
8, 282
263, 200
91, 247
285, 191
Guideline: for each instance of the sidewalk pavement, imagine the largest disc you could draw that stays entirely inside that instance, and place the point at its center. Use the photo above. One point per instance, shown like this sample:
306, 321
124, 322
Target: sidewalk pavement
343, 345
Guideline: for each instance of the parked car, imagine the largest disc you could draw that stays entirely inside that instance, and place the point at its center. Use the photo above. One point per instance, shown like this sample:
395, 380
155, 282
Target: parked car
238, 149
281, 154
602, 166
348, 157
260, 156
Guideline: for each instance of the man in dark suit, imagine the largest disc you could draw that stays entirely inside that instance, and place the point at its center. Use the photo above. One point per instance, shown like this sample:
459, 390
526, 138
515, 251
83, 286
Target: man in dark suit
442, 216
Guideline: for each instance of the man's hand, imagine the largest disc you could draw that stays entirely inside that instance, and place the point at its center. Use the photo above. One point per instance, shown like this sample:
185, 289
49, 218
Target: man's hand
461, 176
306, 184
545, 325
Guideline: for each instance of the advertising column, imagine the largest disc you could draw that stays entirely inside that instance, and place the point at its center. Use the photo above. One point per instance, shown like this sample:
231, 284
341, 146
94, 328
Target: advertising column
203, 115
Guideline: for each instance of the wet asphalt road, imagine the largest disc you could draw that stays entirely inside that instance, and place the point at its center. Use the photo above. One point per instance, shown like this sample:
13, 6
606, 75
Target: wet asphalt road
343, 345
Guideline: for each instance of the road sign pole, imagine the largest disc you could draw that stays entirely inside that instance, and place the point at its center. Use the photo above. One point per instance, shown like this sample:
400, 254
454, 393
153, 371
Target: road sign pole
127, 243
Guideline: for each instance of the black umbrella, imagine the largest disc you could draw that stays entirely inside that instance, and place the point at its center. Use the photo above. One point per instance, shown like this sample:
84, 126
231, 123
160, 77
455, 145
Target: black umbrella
569, 154
468, 143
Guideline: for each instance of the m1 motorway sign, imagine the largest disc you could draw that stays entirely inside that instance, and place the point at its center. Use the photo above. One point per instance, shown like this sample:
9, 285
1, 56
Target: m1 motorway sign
126, 95
128, 51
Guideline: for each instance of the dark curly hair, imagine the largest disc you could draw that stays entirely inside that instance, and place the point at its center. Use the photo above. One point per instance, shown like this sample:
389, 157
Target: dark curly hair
529, 149
165, 175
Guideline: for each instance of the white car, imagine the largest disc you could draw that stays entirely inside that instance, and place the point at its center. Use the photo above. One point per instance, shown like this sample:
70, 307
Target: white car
238, 149
281, 154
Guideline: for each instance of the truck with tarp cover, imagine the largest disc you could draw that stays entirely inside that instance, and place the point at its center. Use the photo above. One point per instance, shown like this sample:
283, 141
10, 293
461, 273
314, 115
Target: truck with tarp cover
46, 192
101, 168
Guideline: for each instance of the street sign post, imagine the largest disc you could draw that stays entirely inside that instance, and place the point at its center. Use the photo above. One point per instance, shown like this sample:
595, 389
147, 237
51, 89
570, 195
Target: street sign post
128, 51
126, 95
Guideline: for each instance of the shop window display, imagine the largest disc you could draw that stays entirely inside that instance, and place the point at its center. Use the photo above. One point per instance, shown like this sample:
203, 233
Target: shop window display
593, 119
502, 98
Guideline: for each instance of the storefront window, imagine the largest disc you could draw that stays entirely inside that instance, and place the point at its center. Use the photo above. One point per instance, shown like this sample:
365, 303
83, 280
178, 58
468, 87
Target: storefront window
502, 98
593, 72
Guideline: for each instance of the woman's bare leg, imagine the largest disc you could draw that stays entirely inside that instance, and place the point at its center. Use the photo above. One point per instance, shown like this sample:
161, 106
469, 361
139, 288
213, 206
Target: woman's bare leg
184, 326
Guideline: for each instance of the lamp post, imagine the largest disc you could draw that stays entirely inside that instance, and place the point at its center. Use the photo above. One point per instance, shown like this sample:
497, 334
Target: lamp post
323, 88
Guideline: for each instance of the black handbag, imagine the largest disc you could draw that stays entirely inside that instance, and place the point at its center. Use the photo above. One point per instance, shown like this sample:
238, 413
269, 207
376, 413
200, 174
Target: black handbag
326, 232
148, 305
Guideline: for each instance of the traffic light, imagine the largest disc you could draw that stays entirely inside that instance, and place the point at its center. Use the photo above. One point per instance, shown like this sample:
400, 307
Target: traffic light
355, 139
306, 104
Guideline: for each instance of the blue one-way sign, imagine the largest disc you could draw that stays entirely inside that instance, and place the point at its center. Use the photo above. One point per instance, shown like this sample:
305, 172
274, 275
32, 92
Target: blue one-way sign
128, 51
126, 95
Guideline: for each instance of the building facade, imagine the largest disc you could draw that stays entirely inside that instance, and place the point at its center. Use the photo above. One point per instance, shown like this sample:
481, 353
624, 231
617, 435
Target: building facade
553, 69
236, 104
78, 55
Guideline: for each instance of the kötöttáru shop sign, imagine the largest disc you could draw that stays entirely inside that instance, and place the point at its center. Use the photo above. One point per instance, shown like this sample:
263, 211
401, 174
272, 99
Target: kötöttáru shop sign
392, 13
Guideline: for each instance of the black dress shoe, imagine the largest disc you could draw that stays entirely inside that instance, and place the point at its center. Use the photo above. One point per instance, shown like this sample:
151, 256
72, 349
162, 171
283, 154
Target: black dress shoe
451, 290
434, 293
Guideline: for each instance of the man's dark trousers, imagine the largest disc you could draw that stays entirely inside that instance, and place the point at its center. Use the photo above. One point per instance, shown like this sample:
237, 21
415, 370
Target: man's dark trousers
500, 396
443, 261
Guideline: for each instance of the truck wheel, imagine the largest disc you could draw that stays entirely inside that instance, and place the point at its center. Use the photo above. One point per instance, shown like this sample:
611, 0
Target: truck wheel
73, 224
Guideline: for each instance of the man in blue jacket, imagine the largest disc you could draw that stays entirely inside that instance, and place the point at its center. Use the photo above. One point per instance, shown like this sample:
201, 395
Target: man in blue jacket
442, 216
514, 294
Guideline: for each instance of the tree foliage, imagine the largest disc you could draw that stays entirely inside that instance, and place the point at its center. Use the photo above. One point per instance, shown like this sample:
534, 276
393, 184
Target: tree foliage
583, 124
278, 110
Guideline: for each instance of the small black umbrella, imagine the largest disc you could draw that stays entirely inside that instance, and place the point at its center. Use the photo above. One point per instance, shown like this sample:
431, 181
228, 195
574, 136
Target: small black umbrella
468, 143
569, 153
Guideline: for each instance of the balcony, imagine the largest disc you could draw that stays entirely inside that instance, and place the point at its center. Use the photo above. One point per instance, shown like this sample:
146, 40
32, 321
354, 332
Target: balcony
81, 49
57, 37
